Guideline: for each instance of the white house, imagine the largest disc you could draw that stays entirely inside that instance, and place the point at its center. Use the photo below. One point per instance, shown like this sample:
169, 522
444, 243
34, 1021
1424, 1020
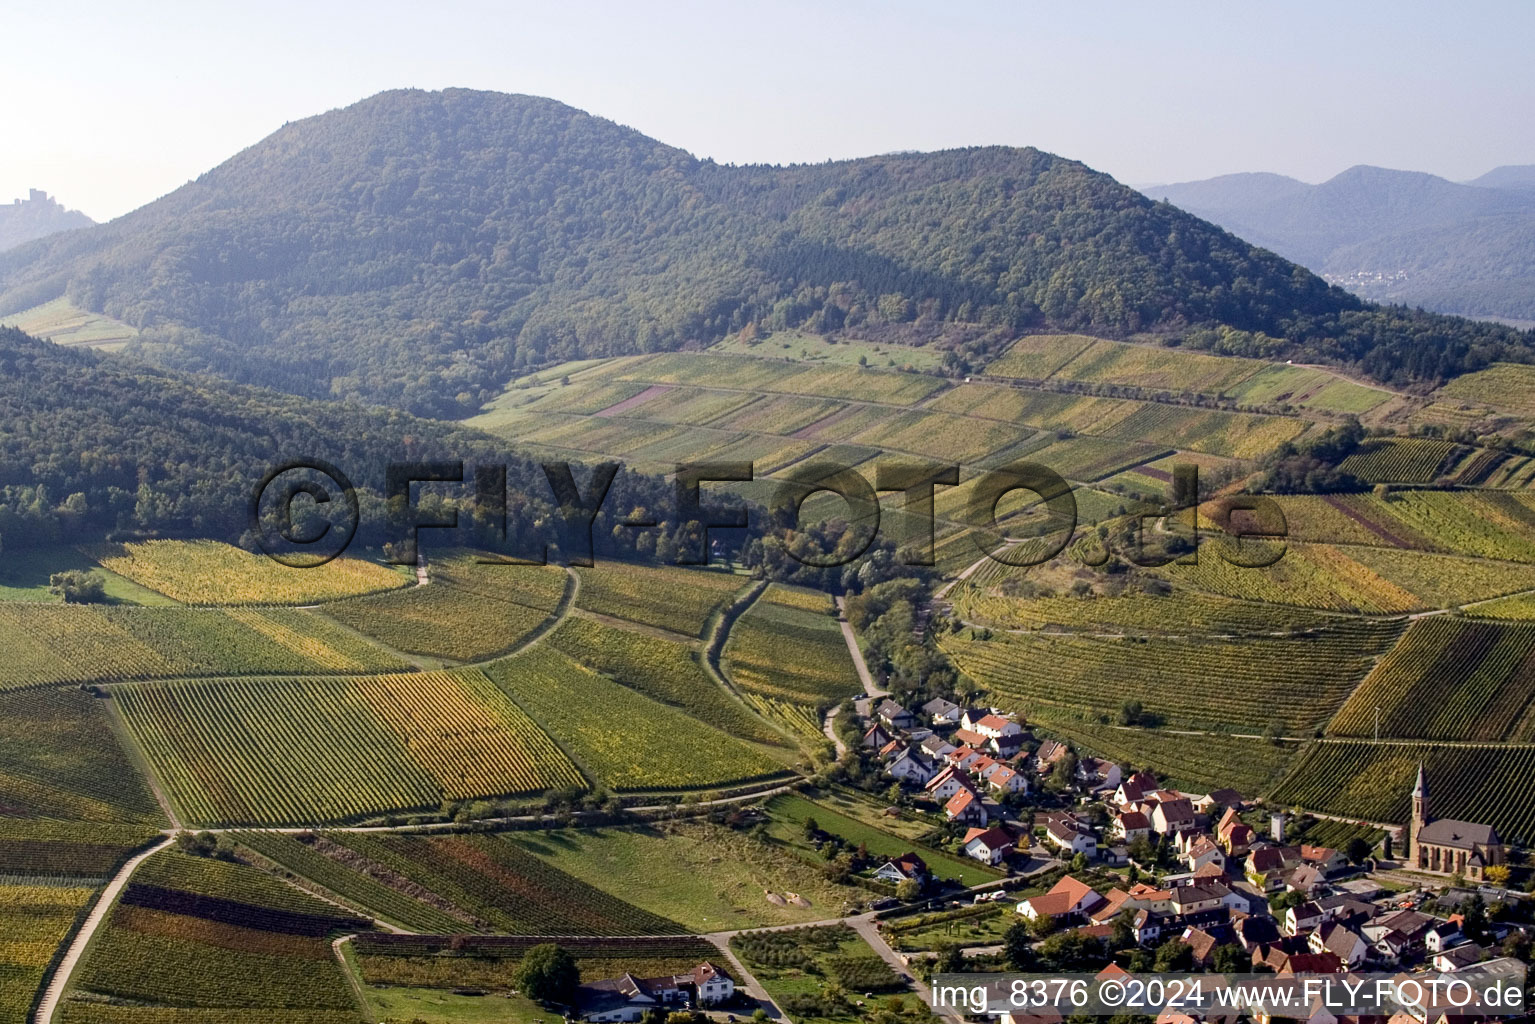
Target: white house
988, 845
910, 766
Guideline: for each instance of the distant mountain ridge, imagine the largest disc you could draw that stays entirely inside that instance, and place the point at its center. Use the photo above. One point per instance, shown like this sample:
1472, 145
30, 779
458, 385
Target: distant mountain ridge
37, 216
1390, 236
418, 249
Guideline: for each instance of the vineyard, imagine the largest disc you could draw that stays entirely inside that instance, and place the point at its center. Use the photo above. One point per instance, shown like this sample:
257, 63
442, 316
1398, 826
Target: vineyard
1408, 460
665, 669
67, 851
1484, 524
60, 757
1180, 613
1202, 763
55, 644
353, 878
489, 962
1449, 678
1502, 385
1038, 356
1296, 682
677, 599
500, 886
1308, 389
207, 572
187, 949
745, 373
630, 742
1356, 578
442, 620
276, 751
788, 645
35, 920
1154, 367
1370, 781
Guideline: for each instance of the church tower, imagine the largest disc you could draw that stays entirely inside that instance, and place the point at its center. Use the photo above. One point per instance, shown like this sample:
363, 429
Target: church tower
1419, 813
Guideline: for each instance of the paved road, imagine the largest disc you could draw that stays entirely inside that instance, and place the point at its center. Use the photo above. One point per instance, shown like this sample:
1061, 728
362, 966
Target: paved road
60, 980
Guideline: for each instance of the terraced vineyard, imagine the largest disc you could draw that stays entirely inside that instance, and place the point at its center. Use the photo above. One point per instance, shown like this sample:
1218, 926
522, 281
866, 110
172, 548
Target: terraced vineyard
505, 888
60, 757
788, 645
1154, 367
1188, 681
677, 599
281, 751
1373, 782
668, 670
206, 572
54, 644
1502, 385
1199, 763
630, 742
1449, 678
746, 373
185, 949
1181, 613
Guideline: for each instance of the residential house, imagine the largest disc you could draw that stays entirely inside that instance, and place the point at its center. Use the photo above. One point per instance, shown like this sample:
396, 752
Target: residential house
1305, 880
988, 845
876, 737
1130, 826
970, 738
912, 766
1172, 815
627, 998
936, 748
1194, 899
1398, 934
1147, 925
1268, 866
894, 715
1458, 958
1004, 778
1203, 851
1443, 936
1255, 932
1048, 755
996, 727
1303, 918
1325, 859
1338, 939
1133, 790
907, 867
1070, 834
1218, 801
1202, 944
965, 757
947, 782
1098, 774
942, 712
967, 808
1068, 900
1310, 963
1234, 835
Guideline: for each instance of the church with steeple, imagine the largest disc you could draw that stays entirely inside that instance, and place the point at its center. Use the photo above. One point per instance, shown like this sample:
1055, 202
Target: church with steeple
1449, 847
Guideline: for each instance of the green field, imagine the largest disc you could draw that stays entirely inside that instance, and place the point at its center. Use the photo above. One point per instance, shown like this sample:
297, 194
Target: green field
790, 811
24, 574
703, 876
816, 348
63, 323
1199, 763
316, 749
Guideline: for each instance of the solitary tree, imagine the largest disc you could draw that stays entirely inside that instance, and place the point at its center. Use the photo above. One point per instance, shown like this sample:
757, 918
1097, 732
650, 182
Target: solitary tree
548, 974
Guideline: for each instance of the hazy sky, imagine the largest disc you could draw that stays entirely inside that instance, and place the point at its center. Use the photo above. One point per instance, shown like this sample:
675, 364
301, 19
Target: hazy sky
111, 105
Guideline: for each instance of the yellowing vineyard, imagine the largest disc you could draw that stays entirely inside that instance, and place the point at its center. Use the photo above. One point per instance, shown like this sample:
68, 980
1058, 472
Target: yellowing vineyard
279, 751
788, 645
206, 572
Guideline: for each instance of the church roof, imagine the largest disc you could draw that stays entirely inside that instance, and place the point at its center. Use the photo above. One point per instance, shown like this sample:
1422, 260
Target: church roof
1462, 835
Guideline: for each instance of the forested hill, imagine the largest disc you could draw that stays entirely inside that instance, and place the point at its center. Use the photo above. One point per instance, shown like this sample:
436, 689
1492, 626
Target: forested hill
417, 249
92, 444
